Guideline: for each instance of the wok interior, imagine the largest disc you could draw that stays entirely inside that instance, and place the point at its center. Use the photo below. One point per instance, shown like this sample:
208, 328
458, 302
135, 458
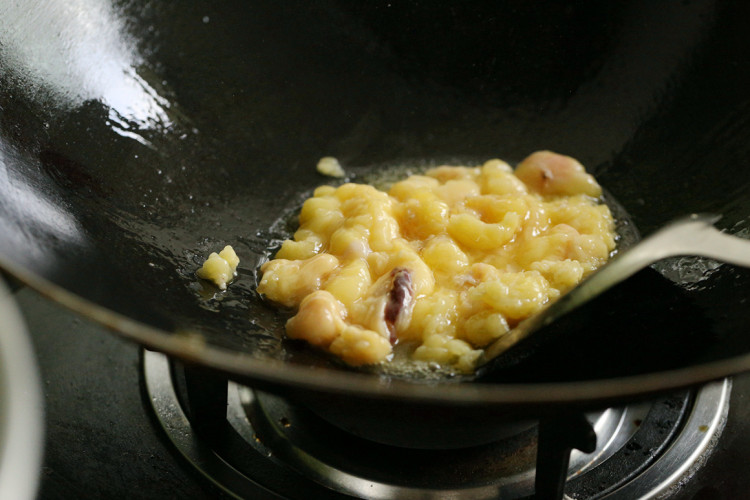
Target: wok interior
187, 128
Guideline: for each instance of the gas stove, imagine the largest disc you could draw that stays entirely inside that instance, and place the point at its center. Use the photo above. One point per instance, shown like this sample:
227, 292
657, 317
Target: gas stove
117, 424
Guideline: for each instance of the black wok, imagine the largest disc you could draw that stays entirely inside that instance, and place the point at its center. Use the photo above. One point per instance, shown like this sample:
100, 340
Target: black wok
137, 137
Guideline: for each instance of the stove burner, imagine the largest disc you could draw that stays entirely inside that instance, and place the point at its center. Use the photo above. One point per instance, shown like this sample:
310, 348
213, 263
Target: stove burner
269, 446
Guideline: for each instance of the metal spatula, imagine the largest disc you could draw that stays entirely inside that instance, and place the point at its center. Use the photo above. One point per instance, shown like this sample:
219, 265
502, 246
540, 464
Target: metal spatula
693, 235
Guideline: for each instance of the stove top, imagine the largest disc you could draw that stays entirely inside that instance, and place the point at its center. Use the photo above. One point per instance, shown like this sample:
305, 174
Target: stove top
105, 438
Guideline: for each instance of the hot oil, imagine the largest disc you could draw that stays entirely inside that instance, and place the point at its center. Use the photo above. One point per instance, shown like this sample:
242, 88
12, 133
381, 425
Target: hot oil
627, 232
402, 366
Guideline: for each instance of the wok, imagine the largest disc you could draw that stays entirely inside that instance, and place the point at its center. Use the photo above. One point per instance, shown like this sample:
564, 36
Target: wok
136, 137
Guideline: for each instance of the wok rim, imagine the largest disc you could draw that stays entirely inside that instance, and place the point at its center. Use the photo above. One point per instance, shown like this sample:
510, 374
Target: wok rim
243, 368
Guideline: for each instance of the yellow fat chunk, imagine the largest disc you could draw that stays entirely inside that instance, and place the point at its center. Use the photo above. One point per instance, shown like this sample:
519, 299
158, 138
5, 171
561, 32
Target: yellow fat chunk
484, 327
561, 275
321, 215
495, 167
471, 232
444, 174
423, 215
358, 346
443, 255
302, 249
494, 208
515, 295
444, 350
369, 211
319, 321
582, 216
289, 281
322, 191
350, 283
591, 251
330, 166
455, 191
383, 231
404, 190
361, 193
557, 244
497, 178
434, 314
321, 204
484, 272
220, 267
378, 262
369, 312
348, 243
326, 223
228, 255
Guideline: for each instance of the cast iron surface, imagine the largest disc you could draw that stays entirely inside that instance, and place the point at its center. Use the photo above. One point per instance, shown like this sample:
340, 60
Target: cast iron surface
136, 137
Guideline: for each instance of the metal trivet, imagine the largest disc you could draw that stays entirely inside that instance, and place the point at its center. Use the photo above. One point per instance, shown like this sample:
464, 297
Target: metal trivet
265, 447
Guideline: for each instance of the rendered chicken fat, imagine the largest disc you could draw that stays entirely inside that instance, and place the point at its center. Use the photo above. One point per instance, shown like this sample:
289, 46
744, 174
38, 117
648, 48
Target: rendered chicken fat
442, 264
220, 267
331, 167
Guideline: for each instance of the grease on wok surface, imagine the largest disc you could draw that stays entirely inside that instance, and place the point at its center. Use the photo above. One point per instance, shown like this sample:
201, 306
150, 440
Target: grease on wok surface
443, 263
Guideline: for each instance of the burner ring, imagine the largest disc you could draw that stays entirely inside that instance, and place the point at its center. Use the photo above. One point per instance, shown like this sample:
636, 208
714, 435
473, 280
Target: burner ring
688, 451
255, 453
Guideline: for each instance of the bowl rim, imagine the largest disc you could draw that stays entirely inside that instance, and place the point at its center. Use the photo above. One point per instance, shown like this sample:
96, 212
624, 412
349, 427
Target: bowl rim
21, 405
